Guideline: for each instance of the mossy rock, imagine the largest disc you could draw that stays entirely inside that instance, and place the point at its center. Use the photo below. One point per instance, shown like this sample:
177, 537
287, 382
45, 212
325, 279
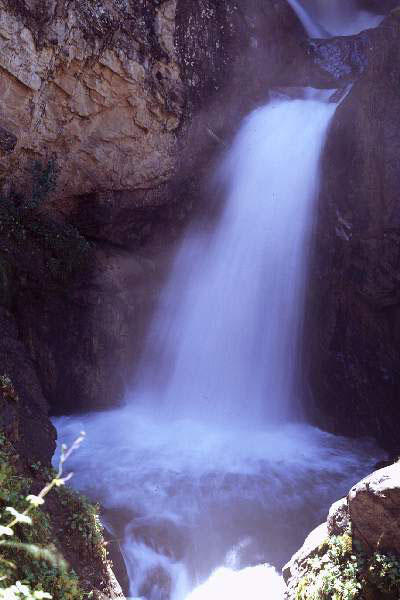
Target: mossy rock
342, 569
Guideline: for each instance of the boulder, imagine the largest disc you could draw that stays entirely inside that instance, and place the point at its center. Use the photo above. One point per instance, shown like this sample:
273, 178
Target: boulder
374, 508
370, 514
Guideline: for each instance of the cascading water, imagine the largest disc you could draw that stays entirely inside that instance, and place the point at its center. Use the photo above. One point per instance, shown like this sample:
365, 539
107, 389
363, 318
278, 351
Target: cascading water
203, 473
326, 18
227, 330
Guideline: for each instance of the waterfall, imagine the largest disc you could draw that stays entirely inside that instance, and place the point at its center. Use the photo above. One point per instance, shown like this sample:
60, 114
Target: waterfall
206, 473
227, 330
327, 18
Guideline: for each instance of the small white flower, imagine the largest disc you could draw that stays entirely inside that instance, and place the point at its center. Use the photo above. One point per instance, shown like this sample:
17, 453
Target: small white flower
6, 530
63, 480
41, 595
19, 517
22, 589
8, 594
35, 500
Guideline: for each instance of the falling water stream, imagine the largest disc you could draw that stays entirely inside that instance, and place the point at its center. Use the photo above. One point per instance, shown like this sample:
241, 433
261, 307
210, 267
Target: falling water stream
207, 473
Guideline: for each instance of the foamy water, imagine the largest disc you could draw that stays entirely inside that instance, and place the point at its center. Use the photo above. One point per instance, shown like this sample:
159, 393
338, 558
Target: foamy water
258, 583
192, 497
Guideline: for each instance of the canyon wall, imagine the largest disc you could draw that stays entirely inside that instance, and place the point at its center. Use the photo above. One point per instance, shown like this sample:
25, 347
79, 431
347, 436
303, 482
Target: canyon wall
111, 112
353, 318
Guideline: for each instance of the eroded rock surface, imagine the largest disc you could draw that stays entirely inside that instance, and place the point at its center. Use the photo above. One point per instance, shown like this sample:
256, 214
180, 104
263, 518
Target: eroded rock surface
95, 85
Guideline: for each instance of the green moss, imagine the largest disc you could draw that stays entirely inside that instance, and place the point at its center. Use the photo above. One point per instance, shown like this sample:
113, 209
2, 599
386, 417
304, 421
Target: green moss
341, 570
82, 525
57, 250
7, 390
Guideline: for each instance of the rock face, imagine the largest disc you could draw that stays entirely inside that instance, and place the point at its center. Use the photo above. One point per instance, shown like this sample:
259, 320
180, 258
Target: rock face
23, 407
352, 325
111, 95
103, 87
95, 85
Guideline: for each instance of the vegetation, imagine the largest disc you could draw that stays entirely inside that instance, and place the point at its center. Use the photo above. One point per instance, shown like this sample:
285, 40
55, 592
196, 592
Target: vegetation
342, 570
56, 250
32, 565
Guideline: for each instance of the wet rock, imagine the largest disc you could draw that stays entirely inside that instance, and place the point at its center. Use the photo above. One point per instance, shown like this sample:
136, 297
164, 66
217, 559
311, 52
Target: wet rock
378, 6
338, 61
81, 344
164, 537
374, 507
157, 584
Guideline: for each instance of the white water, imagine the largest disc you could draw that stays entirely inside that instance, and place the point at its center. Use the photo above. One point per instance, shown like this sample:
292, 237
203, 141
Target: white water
326, 18
226, 333
203, 476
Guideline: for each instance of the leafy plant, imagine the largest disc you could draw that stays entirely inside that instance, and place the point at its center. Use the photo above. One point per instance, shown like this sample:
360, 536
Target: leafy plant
54, 571
342, 570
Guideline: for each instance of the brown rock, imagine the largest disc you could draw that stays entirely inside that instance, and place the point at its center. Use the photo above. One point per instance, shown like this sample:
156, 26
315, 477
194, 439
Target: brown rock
374, 506
94, 87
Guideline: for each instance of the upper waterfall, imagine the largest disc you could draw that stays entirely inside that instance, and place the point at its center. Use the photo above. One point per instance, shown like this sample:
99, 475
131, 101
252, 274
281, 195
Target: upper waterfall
327, 18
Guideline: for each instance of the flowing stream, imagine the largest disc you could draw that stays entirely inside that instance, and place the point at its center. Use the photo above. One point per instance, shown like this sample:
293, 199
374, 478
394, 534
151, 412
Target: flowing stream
207, 474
